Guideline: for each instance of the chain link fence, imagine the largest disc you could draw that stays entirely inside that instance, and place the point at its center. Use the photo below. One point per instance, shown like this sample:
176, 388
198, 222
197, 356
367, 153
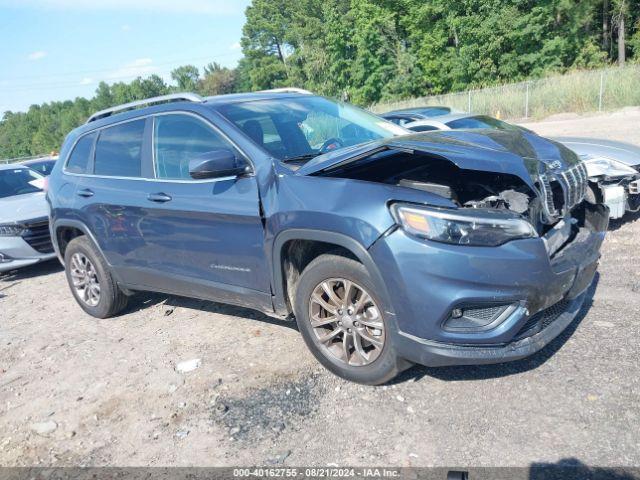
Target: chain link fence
577, 92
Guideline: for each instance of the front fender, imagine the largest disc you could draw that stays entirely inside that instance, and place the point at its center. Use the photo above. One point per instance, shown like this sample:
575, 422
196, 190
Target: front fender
341, 240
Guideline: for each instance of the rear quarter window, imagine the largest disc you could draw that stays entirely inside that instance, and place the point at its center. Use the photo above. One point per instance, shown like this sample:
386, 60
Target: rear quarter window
119, 150
79, 158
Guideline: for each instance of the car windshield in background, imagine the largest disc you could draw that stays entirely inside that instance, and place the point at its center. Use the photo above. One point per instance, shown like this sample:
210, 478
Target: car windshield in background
19, 181
481, 121
301, 128
44, 167
431, 112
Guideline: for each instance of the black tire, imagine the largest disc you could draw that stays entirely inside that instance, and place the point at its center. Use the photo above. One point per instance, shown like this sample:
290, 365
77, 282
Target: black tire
112, 300
330, 266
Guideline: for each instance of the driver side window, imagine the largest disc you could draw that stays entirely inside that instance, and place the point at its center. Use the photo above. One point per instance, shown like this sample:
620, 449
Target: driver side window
179, 138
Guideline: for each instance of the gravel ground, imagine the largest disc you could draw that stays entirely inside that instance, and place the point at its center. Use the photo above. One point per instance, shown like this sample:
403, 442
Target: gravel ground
80, 391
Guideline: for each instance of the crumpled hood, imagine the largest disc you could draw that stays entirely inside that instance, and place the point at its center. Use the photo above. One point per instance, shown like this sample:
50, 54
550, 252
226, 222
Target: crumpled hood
621, 151
524, 154
23, 207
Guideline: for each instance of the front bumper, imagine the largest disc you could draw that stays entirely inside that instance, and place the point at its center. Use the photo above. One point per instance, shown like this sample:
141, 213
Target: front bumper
427, 281
16, 253
437, 354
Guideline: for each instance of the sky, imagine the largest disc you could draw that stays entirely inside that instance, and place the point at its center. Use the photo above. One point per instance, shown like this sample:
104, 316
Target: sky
61, 49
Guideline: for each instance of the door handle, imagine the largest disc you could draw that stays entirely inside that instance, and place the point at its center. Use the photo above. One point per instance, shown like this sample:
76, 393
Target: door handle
158, 197
85, 192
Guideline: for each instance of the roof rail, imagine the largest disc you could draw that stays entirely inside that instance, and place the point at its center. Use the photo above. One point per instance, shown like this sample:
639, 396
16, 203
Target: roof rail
188, 97
287, 90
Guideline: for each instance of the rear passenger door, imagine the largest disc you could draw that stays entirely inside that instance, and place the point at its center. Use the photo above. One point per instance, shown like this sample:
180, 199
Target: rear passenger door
110, 196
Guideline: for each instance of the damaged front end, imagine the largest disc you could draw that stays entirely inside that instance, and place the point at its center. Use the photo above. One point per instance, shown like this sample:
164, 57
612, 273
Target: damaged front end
501, 185
492, 260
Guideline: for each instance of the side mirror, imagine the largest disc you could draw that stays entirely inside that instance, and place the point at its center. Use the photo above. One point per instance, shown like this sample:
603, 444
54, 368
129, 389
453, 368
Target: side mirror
217, 164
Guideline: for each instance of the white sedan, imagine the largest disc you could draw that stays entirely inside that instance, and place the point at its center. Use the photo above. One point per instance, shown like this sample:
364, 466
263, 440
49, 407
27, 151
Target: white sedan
24, 218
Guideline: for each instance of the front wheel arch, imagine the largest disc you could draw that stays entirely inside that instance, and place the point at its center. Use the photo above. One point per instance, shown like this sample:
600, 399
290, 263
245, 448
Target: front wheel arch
344, 243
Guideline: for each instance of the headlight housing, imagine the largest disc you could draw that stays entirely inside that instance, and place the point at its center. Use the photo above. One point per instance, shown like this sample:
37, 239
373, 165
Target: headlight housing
10, 230
478, 227
598, 166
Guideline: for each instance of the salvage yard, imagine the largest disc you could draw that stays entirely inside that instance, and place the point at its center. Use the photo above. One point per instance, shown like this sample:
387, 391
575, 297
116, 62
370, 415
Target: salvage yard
184, 382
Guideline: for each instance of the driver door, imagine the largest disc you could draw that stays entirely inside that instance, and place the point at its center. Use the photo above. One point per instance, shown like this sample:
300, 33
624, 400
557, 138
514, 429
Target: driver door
203, 238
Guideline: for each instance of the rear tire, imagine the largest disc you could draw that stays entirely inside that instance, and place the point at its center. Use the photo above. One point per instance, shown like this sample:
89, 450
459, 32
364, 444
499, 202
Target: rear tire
341, 298
90, 280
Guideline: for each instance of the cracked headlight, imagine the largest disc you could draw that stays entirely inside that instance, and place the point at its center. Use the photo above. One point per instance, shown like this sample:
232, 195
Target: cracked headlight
476, 226
10, 230
598, 166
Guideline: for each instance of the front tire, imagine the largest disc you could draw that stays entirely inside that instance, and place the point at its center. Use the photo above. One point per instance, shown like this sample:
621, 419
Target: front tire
90, 280
342, 320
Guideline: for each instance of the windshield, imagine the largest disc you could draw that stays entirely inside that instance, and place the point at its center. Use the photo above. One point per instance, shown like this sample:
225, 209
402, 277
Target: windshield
43, 167
18, 181
300, 128
481, 121
431, 112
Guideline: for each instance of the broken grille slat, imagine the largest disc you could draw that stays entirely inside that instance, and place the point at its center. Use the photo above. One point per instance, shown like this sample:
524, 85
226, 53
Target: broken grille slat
574, 182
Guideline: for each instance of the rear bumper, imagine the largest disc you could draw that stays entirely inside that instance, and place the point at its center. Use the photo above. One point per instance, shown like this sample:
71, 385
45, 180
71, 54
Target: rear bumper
427, 281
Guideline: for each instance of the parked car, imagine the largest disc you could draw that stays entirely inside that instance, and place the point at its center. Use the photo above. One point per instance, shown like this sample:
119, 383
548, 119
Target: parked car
613, 167
407, 115
42, 165
24, 222
440, 249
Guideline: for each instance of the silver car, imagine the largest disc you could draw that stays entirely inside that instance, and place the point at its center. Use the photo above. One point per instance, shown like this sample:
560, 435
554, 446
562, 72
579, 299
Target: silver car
613, 167
24, 218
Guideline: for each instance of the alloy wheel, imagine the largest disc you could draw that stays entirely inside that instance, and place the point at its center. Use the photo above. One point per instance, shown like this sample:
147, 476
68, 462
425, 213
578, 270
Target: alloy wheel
346, 321
85, 279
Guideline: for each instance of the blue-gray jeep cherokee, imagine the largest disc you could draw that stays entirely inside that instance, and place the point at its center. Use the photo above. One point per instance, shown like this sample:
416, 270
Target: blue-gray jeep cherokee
440, 248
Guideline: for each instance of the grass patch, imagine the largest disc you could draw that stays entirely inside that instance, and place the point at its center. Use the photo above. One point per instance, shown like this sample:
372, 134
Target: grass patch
577, 92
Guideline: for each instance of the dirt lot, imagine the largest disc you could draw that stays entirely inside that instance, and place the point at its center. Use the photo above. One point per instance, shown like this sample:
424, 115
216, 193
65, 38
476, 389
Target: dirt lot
76, 391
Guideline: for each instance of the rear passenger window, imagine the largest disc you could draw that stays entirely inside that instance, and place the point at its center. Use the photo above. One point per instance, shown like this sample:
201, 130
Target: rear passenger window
119, 150
79, 158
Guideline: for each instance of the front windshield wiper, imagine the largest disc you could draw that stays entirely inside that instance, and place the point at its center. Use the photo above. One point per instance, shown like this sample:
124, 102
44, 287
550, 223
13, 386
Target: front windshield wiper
300, 158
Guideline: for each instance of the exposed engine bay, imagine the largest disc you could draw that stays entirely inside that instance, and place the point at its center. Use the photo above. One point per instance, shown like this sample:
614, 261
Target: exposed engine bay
436, 175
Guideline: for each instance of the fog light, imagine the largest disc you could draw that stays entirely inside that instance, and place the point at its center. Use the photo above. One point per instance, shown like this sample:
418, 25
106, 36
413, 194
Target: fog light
478, 318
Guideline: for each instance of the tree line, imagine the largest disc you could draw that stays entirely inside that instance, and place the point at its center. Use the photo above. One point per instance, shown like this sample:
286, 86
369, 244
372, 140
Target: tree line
369, 51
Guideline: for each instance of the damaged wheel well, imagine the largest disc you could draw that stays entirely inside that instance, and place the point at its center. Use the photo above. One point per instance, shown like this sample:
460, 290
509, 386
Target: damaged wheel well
64, 235
297, 254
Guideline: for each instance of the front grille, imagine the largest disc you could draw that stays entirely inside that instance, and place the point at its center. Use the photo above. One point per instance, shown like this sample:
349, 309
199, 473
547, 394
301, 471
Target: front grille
549, 203
564, 190
37, 235
542, 319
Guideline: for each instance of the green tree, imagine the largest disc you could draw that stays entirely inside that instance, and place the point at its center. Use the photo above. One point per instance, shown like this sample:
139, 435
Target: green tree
187, 78
217, 80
